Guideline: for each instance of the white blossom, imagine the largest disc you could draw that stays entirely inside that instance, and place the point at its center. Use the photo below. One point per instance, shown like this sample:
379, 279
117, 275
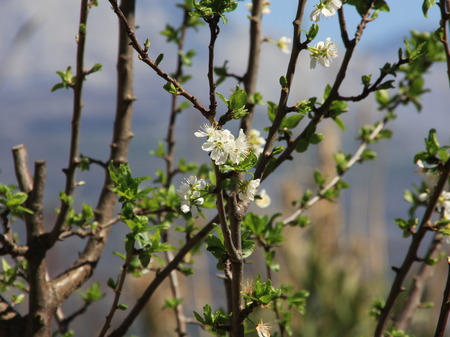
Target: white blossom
264, 200
207, 131
326, 8
323, 52
190, 194
223, 146
220, 144
443, 204
248, 189
283, 43
263, 329
240, 149
256, 142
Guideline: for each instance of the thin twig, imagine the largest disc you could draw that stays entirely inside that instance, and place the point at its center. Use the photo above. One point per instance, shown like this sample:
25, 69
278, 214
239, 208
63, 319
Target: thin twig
117, 293
214, 29
143, 56
284, 95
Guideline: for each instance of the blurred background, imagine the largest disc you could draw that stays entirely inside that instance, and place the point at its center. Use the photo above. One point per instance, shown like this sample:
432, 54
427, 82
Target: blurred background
37, 38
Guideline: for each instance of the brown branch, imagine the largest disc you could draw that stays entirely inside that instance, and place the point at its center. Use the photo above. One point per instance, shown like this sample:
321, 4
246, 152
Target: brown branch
41, 297
22, 169
82, 269
251, 76
284, 95
160, 277
80, 75
170, 141
404, 317
444, 7
117, 293
320, 113
214, 29
411, 256
143, 56
237, 268
445, 308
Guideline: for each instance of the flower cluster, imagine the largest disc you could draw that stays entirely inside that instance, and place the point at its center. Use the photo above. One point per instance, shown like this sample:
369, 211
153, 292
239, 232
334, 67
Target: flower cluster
223, 146
190, 194
323, 52
326, 8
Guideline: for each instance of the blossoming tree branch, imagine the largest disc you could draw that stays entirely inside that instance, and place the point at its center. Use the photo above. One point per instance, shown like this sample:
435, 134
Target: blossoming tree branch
207, 208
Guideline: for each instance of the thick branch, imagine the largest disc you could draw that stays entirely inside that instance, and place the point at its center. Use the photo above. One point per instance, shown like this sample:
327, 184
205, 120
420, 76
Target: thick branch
66, 283
445, 308
41, 297
404, 318
251, 76
411, 255
22, 169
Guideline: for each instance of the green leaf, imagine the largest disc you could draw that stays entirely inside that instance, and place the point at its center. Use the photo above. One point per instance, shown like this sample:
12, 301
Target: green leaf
122, 306
427, 4
238, 99
368, 154
339, 123
272, 110
365, 79
318, 178
386, 85
283, 81
302, 145
291, 122
170, 88
159, 59
93, 293
171, 303
316, 138
312, 32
